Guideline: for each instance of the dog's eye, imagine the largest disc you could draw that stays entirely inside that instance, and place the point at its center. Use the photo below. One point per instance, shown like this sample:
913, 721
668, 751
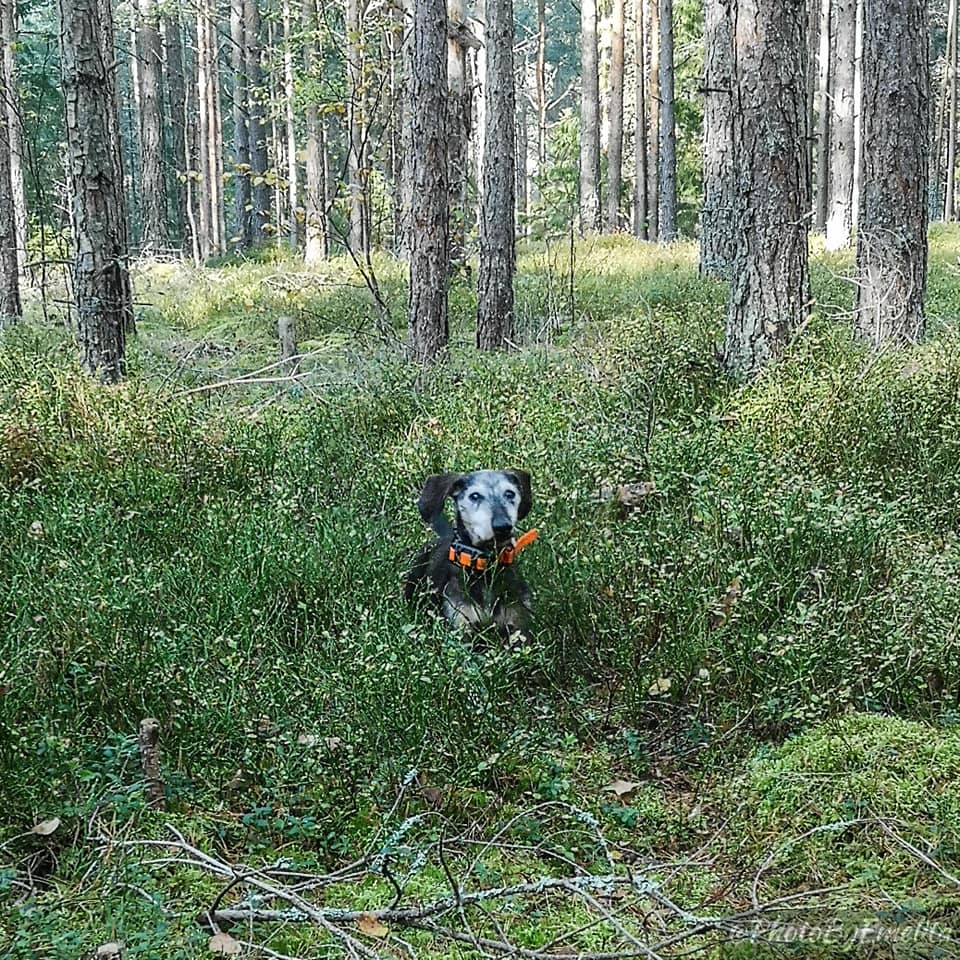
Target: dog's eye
476, 497
509, 495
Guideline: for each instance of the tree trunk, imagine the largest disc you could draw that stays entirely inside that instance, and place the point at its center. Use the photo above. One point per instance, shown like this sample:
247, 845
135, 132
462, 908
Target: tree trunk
242, 196
858, 119
10, 308
177, 113
589, 120
668, 128
653, 144
260, 197
769, 291
640, 205
522, 142
429, 217
951, 56
892, 234
541, 84
8, 31
840, 214
293, 184
315, 201
153, 183
461, 107
209, 136
717, 236
359, 236
823, 119
615, 140
497, 217
101, 281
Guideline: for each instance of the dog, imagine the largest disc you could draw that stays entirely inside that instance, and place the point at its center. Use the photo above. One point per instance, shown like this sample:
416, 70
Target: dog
469, 571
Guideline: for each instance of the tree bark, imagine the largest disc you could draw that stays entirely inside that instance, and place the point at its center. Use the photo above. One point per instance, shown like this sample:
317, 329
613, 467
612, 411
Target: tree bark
359, 236
498, 217
653, 143
242, 196
8, 31
769, 292
315, 201
823, 119
209, 135
717, 231
10, 307
668, 128
640, 200
429, 220
177, 113
892, 234
260, 197
589, 120
541, 84
951, 57
101, 280
290, 130
615, 139
153, 183
461, 107
840, 214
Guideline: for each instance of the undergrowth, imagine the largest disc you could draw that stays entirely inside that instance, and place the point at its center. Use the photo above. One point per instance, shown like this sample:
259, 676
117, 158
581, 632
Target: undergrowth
229, 561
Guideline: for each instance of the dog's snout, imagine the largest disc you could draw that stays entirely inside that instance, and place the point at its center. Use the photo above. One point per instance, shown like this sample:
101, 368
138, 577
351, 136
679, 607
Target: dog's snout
502, 527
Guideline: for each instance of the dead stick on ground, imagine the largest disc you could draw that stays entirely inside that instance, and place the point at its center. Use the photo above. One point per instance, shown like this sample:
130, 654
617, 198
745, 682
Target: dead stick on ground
150, 761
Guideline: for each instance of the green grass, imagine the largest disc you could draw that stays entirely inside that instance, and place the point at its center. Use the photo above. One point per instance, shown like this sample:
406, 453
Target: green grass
229, 561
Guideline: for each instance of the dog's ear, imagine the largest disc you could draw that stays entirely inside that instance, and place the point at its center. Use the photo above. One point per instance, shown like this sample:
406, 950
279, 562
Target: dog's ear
435, 490
522, 479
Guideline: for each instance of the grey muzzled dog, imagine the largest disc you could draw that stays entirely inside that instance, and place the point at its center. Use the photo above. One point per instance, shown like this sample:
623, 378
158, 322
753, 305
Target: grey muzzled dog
469, 570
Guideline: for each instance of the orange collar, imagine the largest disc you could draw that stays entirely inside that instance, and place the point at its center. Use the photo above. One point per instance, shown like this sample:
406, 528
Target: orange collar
473, 559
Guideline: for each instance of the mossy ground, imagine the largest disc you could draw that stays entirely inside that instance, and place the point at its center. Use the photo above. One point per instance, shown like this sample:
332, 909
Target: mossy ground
229, 561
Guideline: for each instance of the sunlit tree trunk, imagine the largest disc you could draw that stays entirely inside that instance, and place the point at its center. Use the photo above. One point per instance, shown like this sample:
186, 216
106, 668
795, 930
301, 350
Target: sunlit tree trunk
668, 128
8, 31
10, 307
615, 140
242, 197
540, 79
429, 217
840, 213
640, 185
102, 290
769, 292
951, 57
461, 108
892, 233
290, 129
717, 232
260, 194
359, 236
498, 218
653, 142
315, 205
823, 119
209, 136
589, 120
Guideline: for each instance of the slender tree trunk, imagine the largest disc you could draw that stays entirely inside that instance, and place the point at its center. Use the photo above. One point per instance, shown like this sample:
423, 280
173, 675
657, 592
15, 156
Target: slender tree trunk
522, 142
640, 206
191, 149
668, 128
8, 31
405, 191
769, 292
497, 218
242, 196
177, 113
10, 307
858, 119
653, 144
260, 197
717, 233
152, 179
356, 124
589, 120
823, 119
840, 215
950, 194
209, 137
461, 108
429, 216
615, 139
541, 84
892, 235
315, 203
101, 281
293, 179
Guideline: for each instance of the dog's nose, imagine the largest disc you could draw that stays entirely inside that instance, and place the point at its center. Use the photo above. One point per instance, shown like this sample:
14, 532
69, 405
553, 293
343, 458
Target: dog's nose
502, 530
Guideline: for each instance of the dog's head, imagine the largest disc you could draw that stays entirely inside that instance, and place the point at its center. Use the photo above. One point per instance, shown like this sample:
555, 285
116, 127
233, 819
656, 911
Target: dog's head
488, 503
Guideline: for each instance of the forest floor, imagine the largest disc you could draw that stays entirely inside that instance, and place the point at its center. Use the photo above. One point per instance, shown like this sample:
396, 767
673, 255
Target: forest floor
736, 734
